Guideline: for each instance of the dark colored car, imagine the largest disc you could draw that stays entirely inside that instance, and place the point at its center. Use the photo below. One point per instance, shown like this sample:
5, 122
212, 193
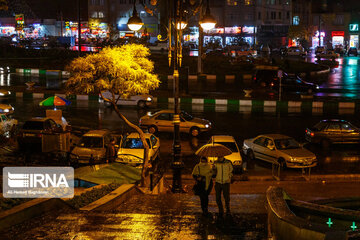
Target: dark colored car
353, 52
331, 131
289, 83
37, 132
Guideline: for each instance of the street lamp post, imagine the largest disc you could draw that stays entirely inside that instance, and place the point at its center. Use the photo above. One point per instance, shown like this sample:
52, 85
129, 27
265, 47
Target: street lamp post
175, 19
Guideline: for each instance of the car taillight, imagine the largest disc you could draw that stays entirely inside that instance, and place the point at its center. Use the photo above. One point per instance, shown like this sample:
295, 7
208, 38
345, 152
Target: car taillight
39, 135
140, 121
306, 131
272, 84
312, 134
254, 78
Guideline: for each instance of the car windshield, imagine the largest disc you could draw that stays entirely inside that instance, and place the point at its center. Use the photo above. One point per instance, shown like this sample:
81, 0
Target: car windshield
187, 116
134, 143
287, 143
91, 142
229, 145
33, 125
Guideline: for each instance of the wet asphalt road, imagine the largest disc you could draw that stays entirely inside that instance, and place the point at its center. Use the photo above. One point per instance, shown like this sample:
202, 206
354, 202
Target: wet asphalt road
241, 125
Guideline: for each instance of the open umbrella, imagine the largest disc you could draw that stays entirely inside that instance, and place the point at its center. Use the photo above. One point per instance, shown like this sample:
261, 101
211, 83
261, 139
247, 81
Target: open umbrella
55, 101
213, 150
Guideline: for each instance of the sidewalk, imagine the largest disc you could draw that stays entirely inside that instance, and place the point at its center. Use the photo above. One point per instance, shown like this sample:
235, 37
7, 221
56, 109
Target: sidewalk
178, 216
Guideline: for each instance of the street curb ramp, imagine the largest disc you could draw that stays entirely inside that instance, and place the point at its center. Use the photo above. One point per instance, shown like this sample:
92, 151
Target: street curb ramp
29, 210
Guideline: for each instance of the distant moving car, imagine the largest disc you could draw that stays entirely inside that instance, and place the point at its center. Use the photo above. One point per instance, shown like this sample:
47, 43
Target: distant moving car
352, 51
162, 121
296, 51
229, 142
280, 149
4, 93
289, 83
141, 101
7, 124
331, 131
92, 144
264, 75
328, 54
293, 83
132, 150
6, 109
35, 132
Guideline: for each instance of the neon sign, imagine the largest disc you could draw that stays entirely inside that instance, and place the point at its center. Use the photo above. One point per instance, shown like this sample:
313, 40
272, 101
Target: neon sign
19, 21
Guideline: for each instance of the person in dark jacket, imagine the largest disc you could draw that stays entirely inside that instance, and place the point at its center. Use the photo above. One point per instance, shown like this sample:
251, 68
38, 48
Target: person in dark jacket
203, 172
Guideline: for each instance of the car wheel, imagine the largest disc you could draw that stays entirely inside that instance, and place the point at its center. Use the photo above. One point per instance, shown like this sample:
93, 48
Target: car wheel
152, 129
250, 155
309, 91
325, 143
194, 131
141, 104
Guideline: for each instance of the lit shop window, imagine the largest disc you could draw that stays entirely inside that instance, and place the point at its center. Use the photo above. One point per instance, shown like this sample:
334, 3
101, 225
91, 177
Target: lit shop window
296, 20
232, 2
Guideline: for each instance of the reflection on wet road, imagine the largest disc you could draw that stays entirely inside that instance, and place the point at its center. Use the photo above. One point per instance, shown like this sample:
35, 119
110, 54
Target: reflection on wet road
241, 125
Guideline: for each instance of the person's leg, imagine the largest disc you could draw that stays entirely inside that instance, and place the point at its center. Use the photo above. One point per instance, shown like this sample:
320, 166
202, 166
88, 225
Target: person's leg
203, 198
226, 189
218, 197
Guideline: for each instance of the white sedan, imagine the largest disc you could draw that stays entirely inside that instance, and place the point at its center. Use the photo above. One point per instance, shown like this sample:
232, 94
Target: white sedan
277, 148
141, 101
328, 54
132, 150
6, 109
229, 142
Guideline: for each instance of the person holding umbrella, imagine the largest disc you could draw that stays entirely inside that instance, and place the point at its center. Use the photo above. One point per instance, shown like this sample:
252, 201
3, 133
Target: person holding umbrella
223, 170
203, 173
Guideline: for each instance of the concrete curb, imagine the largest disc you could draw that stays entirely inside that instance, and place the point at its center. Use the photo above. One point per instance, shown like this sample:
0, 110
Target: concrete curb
267, 105
313, 177
29, 210
113, 199
40, 72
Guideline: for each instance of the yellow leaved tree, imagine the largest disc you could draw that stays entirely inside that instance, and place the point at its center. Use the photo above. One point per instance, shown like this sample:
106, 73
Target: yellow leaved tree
123, 71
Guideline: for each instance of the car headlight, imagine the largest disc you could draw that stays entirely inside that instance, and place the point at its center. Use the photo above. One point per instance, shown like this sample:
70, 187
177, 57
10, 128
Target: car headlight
1, 94
149, 99
317, 87
9, 92
207, 125
6, 110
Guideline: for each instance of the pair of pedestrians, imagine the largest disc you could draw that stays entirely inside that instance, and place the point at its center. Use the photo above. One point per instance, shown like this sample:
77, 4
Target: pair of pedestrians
222, 170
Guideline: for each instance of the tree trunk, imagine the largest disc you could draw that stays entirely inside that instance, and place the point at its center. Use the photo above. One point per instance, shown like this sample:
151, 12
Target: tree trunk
143, 139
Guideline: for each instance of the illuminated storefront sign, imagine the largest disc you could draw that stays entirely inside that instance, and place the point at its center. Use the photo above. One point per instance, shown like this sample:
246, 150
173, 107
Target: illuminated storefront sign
354, 41
232, 30
353, 27
249, 30
337, 38
19, 21
215, 31
315, 39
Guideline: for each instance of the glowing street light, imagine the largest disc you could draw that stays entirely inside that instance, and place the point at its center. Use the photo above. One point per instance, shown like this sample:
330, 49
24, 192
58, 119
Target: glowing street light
208, 21
135, 22
181, 25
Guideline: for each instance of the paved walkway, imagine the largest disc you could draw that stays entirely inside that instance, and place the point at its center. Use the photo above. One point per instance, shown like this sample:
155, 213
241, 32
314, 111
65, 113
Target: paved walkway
169, 216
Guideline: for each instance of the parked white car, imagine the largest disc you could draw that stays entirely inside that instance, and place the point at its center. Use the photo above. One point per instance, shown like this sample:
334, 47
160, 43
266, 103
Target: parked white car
141, 101
132, 151
7, 124
229, 142
277, 148
296, 51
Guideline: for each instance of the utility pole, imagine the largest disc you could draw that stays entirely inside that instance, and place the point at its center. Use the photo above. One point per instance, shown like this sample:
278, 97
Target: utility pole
200, 41
79, 27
